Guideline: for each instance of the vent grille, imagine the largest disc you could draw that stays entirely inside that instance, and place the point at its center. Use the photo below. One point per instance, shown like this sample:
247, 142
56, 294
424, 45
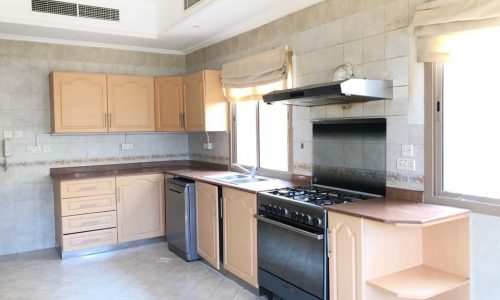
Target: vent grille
189, 3
75, 10
96, 12
55, 7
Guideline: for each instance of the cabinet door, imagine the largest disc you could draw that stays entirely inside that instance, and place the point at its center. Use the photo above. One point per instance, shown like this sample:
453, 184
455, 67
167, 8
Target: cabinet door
240, 234
140, 207
131, 103
345, 257
194, 96
79, 102
169, 104
207, 223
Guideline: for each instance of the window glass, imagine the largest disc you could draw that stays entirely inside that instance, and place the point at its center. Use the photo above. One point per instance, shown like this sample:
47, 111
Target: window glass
470, 120
273, 130
246, 133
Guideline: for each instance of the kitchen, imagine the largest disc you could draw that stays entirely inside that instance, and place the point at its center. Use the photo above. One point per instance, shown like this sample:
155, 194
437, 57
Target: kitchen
375, 37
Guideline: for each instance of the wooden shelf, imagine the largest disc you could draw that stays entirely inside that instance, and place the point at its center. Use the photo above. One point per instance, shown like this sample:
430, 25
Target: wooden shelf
420, 282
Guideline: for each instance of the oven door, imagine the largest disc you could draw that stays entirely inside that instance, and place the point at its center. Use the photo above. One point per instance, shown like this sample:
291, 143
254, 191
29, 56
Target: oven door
293, 254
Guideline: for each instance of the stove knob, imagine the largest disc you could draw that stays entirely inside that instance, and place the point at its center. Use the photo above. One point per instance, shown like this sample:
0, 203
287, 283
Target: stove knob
284, 211
295, 215
268, 207
317, 222
307, 219
301, 217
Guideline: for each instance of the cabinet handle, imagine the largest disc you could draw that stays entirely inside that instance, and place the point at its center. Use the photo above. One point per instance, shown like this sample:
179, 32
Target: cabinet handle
90, 223
89, 188
109, 119
88, 205
183, 121
118, 194
105, 121
90, 241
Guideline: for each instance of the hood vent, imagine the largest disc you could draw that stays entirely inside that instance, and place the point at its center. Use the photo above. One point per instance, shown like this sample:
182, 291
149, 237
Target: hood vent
337, 92
55, 7
75, 10
190, 3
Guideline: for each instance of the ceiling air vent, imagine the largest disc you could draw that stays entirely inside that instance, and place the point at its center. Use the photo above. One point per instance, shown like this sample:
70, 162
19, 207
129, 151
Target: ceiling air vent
189, 3
96, 12
55, 7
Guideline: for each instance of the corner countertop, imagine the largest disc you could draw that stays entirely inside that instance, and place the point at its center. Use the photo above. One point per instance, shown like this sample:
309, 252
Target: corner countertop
188, 169
395, 211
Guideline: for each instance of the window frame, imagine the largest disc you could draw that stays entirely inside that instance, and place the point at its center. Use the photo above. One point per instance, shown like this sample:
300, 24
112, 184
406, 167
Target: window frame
433, 92
261, 171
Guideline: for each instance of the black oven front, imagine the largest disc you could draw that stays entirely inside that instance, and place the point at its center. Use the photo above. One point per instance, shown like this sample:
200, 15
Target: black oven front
292, 250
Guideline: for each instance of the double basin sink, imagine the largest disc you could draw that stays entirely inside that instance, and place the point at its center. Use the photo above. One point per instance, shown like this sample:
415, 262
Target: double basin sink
238, 178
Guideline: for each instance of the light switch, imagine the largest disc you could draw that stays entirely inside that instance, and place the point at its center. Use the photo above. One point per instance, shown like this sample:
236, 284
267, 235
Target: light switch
7, 134
407, 150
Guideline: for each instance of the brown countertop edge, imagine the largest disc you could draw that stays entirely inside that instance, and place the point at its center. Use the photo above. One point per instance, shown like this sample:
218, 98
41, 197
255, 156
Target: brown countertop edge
395, 211
190, 169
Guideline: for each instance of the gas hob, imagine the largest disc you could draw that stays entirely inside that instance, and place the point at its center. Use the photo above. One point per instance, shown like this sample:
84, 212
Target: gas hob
317, 196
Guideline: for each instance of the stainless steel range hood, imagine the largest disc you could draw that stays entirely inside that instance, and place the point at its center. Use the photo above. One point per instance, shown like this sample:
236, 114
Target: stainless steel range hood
337, 92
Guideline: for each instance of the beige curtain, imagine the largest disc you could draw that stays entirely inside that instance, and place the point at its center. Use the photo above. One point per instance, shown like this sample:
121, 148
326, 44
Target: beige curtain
436, 23
251, 77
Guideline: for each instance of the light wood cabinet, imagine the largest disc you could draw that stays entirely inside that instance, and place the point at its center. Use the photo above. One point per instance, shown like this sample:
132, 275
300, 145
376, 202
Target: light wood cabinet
240, 234
345, 253
78, 102
130, 103
85, 214
380, 261
205, 106
140, 207
207, 223
169, 104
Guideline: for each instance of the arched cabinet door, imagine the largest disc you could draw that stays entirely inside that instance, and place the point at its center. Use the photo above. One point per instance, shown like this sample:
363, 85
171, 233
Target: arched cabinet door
169, 104
131, 104
140, 207
79, 102
207, 222
240, 234
345, 254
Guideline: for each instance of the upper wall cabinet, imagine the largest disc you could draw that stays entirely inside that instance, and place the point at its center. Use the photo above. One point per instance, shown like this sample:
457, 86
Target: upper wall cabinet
205, 106
79, 102
131, 103
169, 104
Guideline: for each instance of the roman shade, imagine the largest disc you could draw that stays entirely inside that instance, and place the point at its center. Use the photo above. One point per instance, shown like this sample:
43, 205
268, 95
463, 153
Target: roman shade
251, 77
436, 23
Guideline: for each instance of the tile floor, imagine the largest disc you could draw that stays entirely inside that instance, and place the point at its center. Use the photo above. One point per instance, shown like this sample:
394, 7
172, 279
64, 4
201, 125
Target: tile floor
145, 272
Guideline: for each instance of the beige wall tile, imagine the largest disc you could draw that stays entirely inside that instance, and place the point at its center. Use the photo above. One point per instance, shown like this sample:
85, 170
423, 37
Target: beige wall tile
396, 14
353, 52
334, 111
353, 110
396, 69
373, 48
397, 43
374, 22
353, 27
374, 109
398, 106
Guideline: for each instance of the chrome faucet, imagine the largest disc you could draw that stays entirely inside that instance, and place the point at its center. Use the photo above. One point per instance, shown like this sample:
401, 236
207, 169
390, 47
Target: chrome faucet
252, 172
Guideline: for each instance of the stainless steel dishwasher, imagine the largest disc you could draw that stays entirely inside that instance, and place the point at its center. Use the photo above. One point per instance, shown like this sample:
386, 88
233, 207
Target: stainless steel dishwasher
181, 218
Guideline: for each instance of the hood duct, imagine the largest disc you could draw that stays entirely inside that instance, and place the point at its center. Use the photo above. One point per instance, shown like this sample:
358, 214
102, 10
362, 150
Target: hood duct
338, 92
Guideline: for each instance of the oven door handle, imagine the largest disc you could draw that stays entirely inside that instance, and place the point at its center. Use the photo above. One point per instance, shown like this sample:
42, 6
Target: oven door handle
291, 228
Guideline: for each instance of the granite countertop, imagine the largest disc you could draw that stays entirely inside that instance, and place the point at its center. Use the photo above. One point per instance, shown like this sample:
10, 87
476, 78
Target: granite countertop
395, 211
187, 169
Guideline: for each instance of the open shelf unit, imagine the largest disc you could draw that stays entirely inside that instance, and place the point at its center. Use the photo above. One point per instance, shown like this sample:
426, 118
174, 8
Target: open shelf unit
421, 282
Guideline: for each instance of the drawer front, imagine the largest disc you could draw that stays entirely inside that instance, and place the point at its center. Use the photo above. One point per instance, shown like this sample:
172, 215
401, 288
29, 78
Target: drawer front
87, 187
87, 205
79, 241
88, 222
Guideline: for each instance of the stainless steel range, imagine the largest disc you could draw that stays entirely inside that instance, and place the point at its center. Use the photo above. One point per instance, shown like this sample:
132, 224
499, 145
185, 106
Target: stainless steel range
292, 222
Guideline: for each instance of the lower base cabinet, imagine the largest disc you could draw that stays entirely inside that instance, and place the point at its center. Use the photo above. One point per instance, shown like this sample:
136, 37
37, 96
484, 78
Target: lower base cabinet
140, 207
240, 234
207, 223
372, 260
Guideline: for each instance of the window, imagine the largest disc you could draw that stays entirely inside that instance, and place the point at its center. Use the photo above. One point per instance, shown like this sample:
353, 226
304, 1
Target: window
464, 123
261, 135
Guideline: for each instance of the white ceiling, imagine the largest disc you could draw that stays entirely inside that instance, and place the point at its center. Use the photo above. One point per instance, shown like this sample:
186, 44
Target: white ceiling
148, 25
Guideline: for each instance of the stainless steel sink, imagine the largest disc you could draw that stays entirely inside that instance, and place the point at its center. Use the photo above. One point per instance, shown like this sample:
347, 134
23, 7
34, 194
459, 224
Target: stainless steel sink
238, 178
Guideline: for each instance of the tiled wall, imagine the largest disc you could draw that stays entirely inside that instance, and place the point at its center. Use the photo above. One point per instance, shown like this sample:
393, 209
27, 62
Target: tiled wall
26, 200
373, 36
220, 152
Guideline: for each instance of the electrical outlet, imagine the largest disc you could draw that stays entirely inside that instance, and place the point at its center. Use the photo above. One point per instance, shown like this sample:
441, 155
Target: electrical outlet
406, 164
127, 147
34, 149
18, 134
7, 134
407, 150
208, 146
47, 149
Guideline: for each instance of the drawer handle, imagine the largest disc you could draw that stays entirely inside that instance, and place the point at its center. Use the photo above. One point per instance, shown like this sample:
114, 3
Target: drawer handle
88, 205
88, 188
90, 223
90, 241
